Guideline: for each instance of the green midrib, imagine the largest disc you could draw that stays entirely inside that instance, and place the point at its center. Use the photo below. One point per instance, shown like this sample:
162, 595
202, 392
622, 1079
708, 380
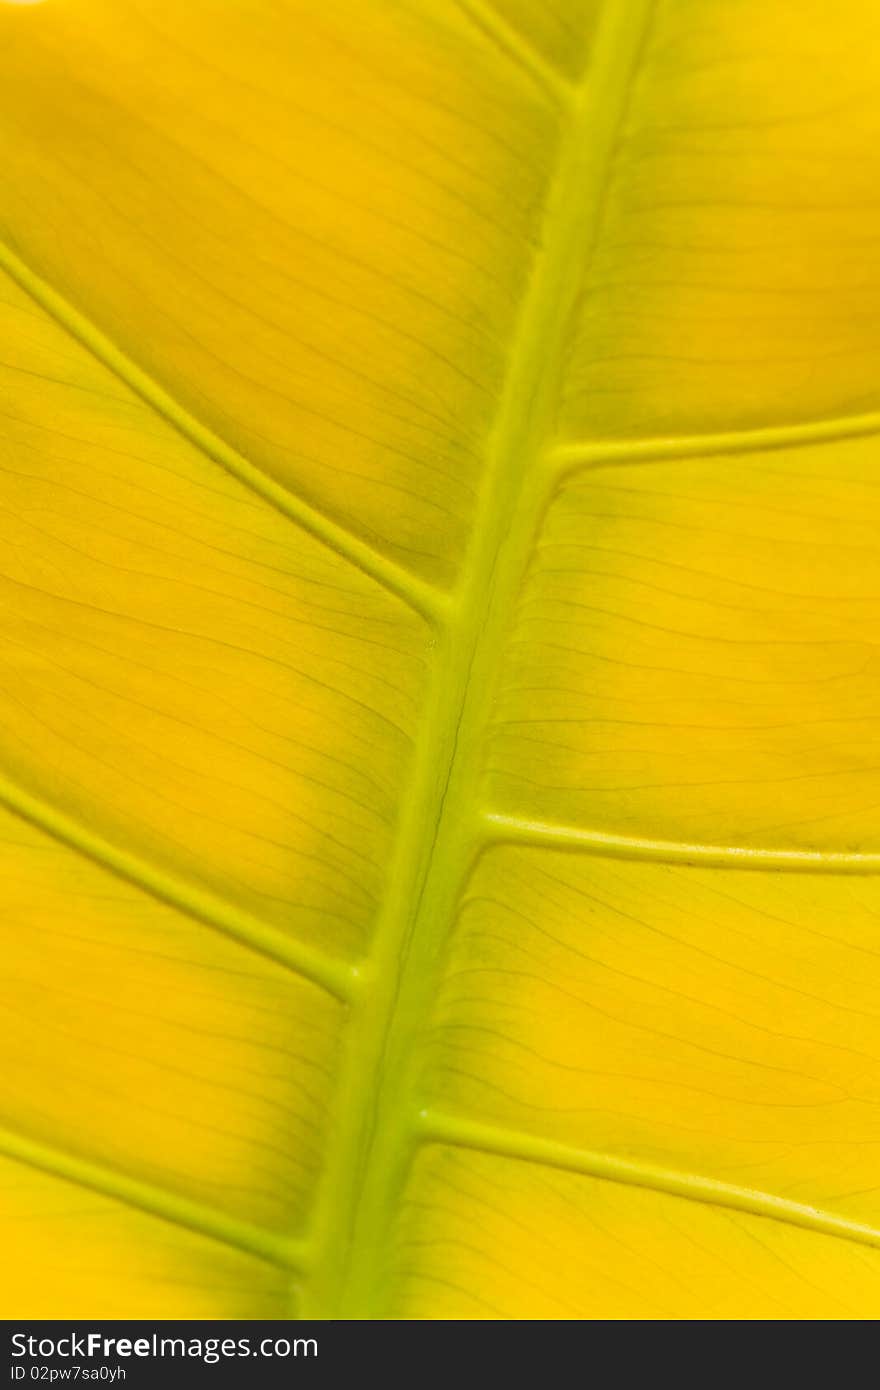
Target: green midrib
378, 1103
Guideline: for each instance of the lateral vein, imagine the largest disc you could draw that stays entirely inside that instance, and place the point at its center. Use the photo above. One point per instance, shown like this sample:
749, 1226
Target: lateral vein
518, 830
335, 977
576, 456
146, 1196
493, 1140
523, 54
422, 598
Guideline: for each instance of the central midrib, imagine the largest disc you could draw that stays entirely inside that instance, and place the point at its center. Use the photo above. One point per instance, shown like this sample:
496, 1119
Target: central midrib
377, 1117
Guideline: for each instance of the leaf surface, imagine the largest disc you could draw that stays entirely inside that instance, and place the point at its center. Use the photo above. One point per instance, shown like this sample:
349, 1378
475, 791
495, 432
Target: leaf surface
438, 608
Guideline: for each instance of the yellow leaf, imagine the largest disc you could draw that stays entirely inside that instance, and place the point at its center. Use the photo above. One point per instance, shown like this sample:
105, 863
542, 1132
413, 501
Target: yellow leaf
439, 590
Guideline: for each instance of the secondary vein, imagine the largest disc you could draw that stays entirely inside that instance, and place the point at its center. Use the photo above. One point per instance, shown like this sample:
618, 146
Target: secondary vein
491, 1139
523, 54
519, 830
574, 455
169, 1206
414, 592
337, 978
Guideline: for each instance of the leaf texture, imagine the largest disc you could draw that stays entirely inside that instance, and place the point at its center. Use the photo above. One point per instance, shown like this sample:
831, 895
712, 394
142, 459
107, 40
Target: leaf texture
438, 606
